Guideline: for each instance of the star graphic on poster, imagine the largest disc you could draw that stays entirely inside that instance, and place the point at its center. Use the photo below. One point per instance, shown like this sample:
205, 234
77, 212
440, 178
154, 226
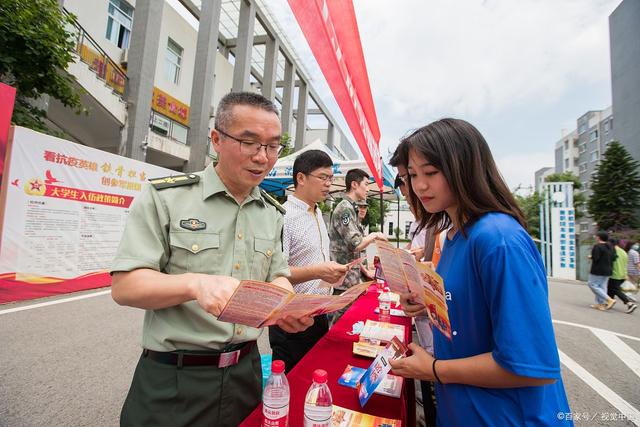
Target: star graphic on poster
35, 185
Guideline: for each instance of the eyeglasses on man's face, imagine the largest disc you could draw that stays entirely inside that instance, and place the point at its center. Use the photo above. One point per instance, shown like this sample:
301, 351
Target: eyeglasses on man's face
251, 148
324, 178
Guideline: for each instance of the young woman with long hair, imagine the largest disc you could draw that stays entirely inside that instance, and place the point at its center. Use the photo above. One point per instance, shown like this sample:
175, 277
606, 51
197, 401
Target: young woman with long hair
501, 366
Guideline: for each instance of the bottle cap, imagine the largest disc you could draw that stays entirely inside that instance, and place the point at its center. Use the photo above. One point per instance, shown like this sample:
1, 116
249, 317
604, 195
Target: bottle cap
277, 366
320, 376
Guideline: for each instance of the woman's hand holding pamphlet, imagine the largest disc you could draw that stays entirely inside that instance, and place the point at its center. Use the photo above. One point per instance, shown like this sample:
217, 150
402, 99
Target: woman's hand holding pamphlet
404, 275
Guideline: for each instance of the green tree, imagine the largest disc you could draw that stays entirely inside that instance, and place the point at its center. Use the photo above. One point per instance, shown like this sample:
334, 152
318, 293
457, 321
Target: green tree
36, 49
373, 213
530, 205
579, 199
616, 190
285, 140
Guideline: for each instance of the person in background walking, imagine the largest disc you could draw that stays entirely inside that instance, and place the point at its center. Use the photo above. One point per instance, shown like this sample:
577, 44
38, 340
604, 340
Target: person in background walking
633, 263
602, 256
618, 275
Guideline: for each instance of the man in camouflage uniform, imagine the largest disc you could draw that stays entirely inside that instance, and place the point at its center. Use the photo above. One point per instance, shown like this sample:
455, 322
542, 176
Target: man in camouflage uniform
366, 273
347, 239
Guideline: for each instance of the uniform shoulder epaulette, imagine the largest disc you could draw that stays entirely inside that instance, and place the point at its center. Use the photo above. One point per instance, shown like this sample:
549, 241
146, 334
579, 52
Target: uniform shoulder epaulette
273, 201
174, 181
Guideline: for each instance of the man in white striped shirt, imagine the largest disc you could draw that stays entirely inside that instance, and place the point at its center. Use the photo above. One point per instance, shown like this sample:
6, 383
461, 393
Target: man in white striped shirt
306, 243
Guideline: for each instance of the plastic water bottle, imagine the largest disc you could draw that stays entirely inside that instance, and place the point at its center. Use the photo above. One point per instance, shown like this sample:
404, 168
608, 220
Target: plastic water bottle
275, 398
318, 405
384, 306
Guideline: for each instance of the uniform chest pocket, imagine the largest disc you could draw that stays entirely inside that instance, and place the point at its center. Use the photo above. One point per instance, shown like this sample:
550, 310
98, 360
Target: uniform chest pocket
262, 253
194, 252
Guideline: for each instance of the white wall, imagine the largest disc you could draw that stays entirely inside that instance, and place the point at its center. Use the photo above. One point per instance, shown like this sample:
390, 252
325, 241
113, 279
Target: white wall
181, 32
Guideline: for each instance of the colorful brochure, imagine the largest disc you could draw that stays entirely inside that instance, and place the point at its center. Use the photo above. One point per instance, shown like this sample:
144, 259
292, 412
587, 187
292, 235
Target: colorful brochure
403, 274
260, 304
379, 368
391, 385
343, 417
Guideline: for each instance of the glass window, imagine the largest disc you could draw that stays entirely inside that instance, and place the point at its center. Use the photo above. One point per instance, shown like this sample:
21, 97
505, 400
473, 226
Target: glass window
179, 132
594, 156
584, 227
582, 128
566, 163
119, 23
173, 60
593, 135
606, 127
166, 127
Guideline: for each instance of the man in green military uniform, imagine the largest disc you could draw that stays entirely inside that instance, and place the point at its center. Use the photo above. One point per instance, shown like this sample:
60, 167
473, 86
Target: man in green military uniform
188, 242
346, 238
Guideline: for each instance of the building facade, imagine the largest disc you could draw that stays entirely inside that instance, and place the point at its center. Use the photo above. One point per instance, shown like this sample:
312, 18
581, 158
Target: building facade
540, 177
580, 151
151, 80
624, 38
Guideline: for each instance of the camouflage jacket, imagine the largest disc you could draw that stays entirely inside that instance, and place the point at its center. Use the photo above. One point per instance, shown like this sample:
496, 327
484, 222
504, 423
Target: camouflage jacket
345, 235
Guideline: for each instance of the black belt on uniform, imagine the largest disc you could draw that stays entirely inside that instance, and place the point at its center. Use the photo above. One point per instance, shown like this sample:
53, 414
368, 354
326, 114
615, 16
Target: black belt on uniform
185, 358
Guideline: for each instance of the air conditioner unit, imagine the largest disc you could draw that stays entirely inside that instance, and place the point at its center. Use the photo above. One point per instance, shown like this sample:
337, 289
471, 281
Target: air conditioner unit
124, 58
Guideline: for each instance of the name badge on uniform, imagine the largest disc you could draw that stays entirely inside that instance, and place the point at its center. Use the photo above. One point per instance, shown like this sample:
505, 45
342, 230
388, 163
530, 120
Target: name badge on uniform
229, 359
193, 224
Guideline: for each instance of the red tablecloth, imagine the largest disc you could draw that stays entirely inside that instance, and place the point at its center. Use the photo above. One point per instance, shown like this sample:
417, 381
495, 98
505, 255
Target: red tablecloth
332, 353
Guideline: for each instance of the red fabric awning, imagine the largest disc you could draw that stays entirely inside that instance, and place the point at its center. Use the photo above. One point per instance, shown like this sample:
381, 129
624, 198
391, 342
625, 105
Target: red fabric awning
331, 30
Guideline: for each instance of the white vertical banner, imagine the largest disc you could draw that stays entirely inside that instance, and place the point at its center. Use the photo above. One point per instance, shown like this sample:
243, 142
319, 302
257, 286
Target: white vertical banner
563, 240
63, 213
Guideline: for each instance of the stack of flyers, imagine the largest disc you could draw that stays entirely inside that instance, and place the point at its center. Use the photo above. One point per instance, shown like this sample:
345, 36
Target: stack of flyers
343, 417
362, 348
379, 369
391, 385
375, 332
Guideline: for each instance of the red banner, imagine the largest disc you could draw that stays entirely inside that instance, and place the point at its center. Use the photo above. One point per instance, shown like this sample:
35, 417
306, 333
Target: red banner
7, 98
331, 30
87, 196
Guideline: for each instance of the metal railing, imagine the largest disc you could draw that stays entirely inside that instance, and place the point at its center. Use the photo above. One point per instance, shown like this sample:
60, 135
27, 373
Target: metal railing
97, 59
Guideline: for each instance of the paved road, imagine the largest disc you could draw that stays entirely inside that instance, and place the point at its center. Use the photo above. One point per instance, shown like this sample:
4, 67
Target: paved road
70, 364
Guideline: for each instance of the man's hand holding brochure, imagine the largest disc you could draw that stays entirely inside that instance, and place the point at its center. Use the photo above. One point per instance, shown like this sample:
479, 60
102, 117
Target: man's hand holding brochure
260, 304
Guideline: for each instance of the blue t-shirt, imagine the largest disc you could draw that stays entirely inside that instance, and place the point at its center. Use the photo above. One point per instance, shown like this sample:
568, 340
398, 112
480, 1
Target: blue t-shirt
498, 302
